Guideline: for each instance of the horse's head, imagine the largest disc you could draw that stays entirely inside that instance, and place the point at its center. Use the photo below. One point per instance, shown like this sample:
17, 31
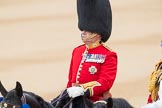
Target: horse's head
12, 98
17, 98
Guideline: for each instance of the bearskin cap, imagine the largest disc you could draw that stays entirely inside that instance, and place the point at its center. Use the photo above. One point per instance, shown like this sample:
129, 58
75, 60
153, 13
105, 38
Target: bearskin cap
95, 16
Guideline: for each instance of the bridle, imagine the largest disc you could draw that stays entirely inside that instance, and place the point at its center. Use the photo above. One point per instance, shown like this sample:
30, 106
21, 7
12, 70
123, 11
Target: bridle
9, 105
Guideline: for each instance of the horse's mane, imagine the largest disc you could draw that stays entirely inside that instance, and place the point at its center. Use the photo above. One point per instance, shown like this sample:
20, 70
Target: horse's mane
121, 103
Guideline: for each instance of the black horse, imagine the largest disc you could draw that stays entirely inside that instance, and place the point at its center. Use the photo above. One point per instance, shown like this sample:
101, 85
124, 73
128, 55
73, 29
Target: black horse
17, 98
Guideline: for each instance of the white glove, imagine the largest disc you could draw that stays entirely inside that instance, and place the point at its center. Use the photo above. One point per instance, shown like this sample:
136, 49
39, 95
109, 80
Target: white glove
75, 91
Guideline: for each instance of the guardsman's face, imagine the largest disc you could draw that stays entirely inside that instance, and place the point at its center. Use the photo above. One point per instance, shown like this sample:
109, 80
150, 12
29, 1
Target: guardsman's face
89, 37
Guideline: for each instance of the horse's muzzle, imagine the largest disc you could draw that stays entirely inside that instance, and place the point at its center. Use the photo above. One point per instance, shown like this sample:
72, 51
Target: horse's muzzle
7, 105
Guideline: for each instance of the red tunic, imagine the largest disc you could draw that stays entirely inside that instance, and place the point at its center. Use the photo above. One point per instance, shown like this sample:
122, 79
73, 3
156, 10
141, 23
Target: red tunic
96, 70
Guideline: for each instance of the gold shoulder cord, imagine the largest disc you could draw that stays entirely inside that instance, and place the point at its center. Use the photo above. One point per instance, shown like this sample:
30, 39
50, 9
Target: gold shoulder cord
154, 80
155, 77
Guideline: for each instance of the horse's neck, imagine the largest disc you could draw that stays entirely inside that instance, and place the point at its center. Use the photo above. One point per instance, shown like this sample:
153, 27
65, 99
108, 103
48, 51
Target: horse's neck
30, 100
37, 101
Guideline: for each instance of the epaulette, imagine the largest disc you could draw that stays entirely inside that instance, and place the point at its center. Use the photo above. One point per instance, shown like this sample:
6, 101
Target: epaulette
107, 47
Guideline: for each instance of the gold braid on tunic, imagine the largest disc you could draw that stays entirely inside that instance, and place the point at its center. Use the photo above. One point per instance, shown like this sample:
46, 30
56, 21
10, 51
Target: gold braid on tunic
154, 80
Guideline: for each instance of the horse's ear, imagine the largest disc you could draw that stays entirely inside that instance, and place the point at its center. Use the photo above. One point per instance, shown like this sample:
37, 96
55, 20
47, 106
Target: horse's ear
3, 90
109, 102
19, 89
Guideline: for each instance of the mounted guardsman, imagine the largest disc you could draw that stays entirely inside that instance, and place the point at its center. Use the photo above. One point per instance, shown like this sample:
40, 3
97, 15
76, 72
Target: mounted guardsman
155, 87
93, 66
